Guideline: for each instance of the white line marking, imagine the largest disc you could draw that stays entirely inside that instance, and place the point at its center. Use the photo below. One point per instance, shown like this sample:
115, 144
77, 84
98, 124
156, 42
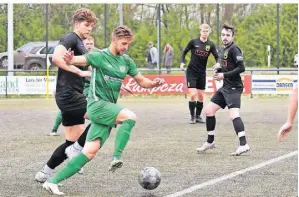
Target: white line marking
231, 175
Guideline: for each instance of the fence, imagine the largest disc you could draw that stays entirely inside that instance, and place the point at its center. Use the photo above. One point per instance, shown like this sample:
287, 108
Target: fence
256, 81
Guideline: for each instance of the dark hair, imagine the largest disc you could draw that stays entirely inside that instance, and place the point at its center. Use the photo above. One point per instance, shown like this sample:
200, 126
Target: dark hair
84, 14
229, 27
123, 32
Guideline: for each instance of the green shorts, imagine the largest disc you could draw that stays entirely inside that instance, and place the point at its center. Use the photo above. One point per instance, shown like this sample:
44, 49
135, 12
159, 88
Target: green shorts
102, 115
98, 131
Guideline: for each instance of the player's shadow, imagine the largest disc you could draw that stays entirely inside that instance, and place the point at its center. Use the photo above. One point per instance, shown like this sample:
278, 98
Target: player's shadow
148, 195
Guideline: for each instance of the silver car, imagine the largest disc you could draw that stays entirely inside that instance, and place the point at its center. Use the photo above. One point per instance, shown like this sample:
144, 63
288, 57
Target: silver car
36, 58
19, 55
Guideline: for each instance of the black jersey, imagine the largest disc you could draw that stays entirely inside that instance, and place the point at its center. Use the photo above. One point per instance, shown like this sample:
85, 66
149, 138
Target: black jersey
69, 87
200, 52
231, 60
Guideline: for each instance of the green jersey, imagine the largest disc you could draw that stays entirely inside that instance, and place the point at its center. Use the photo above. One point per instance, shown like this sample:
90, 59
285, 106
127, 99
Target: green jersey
87, 79
108, 73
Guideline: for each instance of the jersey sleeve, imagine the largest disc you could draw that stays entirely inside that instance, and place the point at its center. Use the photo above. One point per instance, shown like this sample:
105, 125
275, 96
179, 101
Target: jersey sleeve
214, 52
186, 50
132, 69
69, 41
237, 57
93, 59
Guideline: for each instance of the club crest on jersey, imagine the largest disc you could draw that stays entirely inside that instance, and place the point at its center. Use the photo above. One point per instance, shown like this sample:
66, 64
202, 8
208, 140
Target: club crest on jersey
225, 54
122, 68
208, 47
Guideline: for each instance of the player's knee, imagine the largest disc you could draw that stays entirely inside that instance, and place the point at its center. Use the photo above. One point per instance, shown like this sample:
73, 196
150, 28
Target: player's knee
234, 114
209, 111
200, 97
91, 149
130, 115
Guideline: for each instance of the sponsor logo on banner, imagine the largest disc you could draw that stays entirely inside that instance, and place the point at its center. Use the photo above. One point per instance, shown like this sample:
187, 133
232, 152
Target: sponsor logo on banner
273, 84
176, 85
284, 84
11, 85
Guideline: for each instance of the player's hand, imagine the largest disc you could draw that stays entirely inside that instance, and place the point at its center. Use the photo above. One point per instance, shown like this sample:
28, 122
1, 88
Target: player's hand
216, 67
218, 76
182, 66
68, 56
158, 82
84, 73
284, 130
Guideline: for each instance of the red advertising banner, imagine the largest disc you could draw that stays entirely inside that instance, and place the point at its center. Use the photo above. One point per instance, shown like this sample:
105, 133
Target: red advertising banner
177, 85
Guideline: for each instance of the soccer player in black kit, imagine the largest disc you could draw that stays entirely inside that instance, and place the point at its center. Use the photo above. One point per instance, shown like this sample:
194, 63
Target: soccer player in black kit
69, 89
201, 48
229, 70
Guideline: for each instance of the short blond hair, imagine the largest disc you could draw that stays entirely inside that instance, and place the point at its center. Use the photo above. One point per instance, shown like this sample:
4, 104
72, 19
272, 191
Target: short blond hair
205, 26
89, 38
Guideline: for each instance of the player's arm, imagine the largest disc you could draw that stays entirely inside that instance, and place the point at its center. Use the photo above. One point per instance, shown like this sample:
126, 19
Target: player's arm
186, 50
293, 107
238, 59
146, 82
184, 53
79, 60
139, 78
58, 58
215, 53
82, 60
81, 73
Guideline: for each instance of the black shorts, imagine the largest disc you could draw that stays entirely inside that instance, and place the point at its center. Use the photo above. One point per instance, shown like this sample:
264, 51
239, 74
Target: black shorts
196, 80
231, 99
73, 109
75, 117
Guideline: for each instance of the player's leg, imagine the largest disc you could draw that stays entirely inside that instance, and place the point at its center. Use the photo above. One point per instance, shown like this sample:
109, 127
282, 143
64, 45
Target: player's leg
109, 114
127, 119
200, 87
73, 123
56, 124
234, 104
217, 102
77, 147
96, 137
191, 84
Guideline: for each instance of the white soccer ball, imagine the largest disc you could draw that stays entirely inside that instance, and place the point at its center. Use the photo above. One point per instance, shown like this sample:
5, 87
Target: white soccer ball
149, 178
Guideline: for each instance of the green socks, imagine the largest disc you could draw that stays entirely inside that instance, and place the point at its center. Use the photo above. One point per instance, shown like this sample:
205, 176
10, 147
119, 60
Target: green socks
123, 136
71, 168
57, 121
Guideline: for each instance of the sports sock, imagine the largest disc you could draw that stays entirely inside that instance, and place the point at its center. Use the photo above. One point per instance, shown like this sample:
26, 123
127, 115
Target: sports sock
210, 124
71, 168
199, 106
192, 105
58, 155
57, 122
122, 137
240, 130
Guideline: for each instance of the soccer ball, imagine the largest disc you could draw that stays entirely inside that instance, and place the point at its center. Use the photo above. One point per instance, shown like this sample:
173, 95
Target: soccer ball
149, 178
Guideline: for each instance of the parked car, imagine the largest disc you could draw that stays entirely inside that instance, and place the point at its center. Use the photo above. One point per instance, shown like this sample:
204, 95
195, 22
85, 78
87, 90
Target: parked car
19, 55
296, 61
36, 58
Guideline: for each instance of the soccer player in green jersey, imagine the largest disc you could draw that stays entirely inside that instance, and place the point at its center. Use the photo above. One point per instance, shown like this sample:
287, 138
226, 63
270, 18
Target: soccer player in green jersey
109, 68
89, 46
